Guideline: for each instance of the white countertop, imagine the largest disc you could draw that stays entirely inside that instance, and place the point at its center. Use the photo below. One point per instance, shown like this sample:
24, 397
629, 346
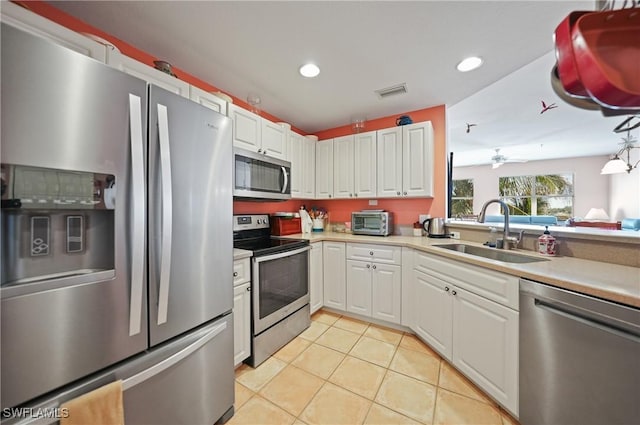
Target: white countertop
604, 280
239, 254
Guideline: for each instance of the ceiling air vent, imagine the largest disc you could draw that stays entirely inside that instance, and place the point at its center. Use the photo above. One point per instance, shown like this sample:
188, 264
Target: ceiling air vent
392, 91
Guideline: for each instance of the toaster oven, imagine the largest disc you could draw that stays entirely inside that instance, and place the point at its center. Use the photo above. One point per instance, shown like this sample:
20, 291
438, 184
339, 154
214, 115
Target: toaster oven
372, 222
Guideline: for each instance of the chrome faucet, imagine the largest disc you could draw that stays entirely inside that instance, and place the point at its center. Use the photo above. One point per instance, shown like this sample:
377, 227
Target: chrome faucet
507, 241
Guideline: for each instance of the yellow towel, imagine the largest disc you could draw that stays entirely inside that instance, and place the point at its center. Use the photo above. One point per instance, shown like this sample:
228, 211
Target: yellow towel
99, 407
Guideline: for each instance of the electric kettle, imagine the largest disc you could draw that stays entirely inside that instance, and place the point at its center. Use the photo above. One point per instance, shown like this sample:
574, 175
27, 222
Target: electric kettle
435, 227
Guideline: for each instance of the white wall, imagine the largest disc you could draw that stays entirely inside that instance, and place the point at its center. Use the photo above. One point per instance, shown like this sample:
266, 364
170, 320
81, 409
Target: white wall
591, 189
625, 191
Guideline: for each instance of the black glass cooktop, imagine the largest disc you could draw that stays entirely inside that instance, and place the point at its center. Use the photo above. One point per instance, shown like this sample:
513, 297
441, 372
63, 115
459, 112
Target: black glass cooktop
265, 246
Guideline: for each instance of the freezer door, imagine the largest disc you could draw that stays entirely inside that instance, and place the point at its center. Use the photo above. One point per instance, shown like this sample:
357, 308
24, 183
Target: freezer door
190, 215
186, 381
75, 303
192, 386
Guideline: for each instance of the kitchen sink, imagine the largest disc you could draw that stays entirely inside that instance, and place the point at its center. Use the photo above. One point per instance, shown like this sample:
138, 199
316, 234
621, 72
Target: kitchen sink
490, 253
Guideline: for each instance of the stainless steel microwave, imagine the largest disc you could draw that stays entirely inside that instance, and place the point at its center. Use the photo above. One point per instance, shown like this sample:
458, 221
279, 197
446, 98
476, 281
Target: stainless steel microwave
372, 222
259, 177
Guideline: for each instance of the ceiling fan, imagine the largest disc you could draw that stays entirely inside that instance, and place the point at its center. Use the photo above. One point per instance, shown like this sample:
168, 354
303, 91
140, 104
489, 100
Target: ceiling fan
499, 159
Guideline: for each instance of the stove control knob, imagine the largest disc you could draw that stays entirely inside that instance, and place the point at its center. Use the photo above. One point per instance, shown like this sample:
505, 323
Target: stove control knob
259, 221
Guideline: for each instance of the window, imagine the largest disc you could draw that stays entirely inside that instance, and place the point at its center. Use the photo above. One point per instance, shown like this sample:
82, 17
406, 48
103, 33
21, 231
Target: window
550, 194
462, 198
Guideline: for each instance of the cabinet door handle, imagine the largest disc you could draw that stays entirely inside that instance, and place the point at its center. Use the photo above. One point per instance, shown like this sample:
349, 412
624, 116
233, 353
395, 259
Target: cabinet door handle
405, 194
356, 195
368, 266
259, 150
249, 288
398, 193
235, 274
446, 289
370, 252
374, 266
453, 292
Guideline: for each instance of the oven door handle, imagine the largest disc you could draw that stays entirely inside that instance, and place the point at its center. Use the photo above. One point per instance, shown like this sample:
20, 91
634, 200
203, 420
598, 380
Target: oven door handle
263, 258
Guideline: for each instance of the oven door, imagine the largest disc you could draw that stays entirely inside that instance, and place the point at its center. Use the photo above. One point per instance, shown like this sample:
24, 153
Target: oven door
280, 286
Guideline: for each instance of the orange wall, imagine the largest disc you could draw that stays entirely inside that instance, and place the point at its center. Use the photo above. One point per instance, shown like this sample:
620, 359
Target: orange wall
406, 210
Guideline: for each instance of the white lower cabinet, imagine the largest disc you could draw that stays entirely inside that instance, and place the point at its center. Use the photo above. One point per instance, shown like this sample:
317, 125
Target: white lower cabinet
477, 335
241, 310
316, 287
359, 287
433, 312
485, 346
374, 286
334, 270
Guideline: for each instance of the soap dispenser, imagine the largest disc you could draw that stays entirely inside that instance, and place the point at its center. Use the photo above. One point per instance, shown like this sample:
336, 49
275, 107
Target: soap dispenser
547, 243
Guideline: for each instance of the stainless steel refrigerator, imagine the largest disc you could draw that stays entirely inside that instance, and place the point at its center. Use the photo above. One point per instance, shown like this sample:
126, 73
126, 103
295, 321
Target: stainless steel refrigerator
116, 240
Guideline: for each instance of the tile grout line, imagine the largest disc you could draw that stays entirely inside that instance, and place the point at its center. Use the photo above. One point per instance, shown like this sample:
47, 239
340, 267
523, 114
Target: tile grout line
501, 412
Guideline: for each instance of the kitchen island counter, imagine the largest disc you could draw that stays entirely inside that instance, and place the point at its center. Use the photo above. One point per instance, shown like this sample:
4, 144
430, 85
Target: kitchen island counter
604, 280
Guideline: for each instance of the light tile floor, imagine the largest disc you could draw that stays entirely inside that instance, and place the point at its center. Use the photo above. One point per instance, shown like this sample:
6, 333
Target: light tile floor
345, 371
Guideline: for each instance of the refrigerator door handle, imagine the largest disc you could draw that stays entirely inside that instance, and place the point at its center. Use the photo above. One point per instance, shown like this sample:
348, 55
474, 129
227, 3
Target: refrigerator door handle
286, 179
172, 360
137, 214
167, 219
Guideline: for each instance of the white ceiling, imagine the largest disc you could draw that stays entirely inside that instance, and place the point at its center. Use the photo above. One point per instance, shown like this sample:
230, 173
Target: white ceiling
257, 47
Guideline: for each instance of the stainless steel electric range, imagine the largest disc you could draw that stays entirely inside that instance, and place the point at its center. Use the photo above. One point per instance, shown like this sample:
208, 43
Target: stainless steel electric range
279, 285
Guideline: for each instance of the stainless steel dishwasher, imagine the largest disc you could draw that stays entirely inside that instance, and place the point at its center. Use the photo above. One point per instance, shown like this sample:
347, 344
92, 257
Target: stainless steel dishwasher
579, 358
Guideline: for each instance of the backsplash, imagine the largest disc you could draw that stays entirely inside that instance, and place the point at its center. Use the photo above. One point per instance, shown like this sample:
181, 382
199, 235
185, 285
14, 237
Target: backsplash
405, 211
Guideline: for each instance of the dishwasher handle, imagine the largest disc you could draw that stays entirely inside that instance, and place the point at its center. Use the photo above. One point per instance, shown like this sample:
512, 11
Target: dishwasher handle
591, 319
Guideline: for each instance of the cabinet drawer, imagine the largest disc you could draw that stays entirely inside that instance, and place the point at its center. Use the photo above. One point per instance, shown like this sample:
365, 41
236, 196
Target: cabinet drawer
379, 253
241, 271
499, 287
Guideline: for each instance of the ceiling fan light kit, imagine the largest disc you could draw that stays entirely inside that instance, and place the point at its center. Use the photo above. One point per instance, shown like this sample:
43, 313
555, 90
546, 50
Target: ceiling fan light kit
617, 165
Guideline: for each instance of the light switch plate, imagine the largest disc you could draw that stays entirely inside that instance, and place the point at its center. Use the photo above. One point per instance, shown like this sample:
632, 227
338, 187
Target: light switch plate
373, 202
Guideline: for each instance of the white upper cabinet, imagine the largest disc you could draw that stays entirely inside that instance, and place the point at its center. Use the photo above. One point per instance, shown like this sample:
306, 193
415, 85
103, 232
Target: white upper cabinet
207, 99
364, 165
390, 162
354, 166
405, 161
343, 167
302, 154
148, 73
254, 133
309, 167
247, 128
417, 159
324, 169
33, 23
274, 138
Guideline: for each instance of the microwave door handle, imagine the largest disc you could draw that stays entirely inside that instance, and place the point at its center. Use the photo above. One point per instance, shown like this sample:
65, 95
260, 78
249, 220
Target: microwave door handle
286, 179
167, 214
137, 216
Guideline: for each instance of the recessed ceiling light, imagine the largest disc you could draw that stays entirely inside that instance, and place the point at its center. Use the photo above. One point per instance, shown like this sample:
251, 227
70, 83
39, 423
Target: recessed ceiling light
309, 70
469, 64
